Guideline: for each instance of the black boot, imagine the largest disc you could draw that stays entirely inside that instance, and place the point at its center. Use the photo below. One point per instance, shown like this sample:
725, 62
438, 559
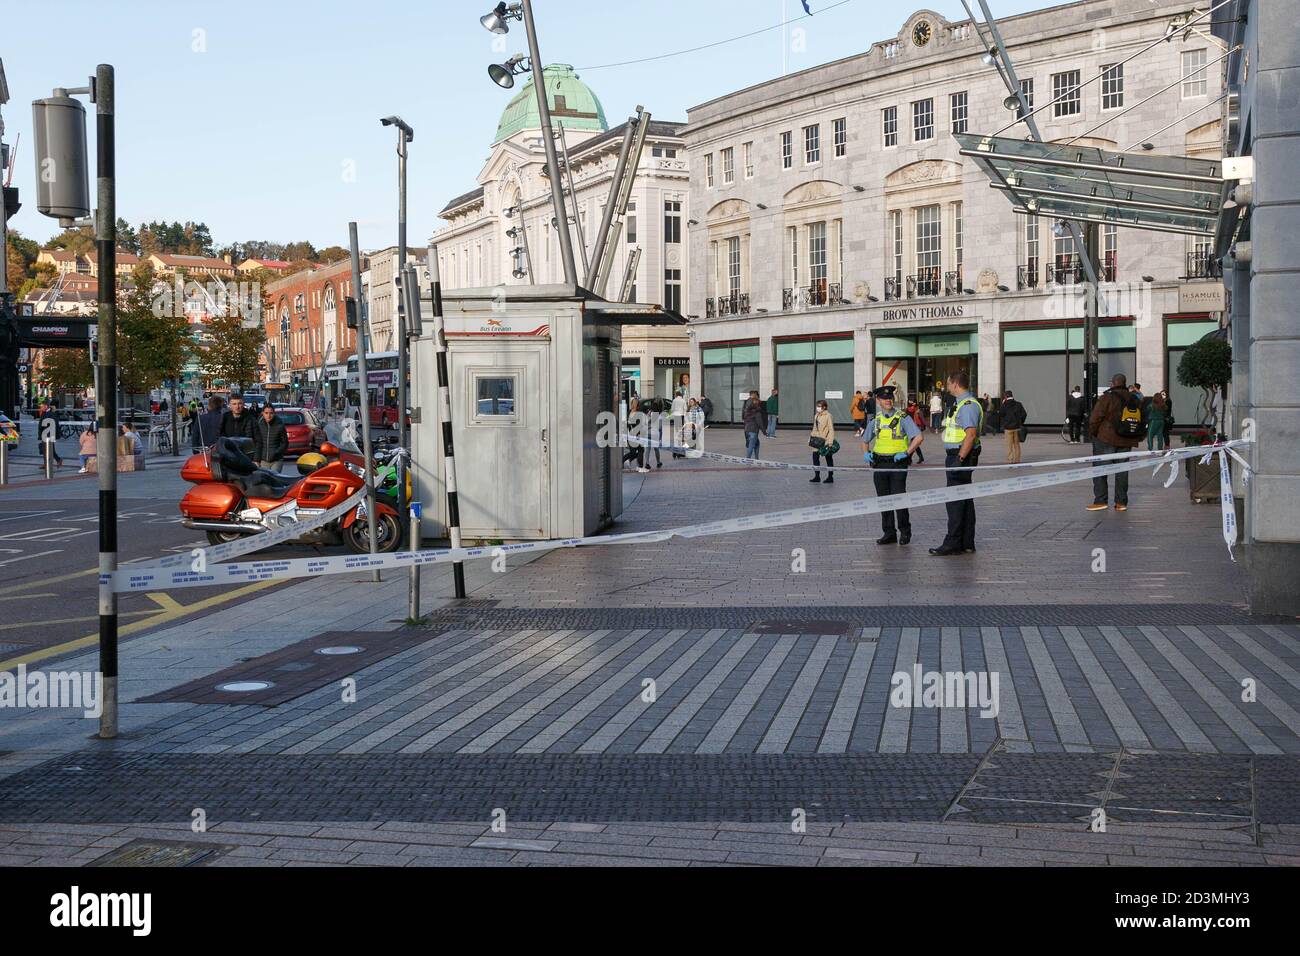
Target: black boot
905, 538
888, 539
830, 480
815, 480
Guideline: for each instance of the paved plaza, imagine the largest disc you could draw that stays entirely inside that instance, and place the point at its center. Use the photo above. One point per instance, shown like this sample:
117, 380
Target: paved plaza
718, 701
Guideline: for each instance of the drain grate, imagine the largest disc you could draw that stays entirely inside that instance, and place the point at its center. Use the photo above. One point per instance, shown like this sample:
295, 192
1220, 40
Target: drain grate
162, 853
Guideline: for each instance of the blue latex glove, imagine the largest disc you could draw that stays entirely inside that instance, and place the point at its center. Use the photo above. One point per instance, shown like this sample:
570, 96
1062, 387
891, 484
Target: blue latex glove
901, 456
867, 458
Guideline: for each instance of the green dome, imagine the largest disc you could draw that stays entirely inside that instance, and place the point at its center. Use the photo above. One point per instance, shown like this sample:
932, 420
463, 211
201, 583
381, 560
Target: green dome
571, 101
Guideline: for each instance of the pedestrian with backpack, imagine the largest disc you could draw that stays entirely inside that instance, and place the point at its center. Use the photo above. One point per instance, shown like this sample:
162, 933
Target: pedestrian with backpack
1118, 424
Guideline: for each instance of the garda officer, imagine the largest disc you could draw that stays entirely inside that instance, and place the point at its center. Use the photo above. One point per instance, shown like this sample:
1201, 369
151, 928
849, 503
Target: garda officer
961, 441
890, 438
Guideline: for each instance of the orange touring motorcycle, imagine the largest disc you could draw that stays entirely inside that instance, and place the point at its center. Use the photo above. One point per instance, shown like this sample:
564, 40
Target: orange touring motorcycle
233, 499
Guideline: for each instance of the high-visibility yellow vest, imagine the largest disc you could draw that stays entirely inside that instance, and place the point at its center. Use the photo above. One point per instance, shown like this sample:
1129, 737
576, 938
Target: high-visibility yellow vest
890, 437
954, 434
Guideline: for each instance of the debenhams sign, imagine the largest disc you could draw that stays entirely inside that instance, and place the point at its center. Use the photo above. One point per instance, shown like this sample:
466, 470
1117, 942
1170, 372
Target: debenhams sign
918, 313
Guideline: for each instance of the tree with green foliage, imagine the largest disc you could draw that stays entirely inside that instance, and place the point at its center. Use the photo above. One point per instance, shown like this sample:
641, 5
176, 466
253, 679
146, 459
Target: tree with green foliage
231, 351
153, 345
1207, 365
68, 369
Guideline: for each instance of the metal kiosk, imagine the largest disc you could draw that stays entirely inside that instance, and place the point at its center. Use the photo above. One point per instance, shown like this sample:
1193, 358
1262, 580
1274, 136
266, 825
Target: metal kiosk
533, 375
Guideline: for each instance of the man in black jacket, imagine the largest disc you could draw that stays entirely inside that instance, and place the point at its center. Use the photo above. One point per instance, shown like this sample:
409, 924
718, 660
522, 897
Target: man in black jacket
205, 428
272, 440
47, 430
1013, 419
239, 422
1074, 414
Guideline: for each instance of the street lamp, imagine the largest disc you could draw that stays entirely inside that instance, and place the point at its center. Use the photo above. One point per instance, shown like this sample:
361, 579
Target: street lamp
503, 75
496, 21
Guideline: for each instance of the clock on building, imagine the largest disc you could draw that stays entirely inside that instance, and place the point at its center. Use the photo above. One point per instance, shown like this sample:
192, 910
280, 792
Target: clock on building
922, 32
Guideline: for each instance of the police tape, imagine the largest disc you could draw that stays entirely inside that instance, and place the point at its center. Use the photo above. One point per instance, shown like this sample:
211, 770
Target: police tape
798, 466
138, 579
282, 534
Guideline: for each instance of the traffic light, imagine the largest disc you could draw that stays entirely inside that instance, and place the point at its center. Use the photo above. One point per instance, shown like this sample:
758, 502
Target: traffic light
350, 307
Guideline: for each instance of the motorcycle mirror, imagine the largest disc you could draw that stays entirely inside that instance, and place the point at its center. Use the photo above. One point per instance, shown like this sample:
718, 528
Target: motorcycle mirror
329, 450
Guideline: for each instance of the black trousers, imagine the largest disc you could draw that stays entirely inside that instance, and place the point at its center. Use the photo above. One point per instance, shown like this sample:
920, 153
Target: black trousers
1076, 428
891, 479
961, 514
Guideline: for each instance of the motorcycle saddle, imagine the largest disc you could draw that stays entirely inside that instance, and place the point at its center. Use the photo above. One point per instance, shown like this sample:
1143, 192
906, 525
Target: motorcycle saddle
265, 484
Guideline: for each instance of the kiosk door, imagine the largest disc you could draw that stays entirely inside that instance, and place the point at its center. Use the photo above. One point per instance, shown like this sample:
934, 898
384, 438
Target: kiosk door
499, 399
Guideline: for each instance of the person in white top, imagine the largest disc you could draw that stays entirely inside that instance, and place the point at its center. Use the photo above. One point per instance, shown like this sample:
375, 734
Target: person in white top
936, 411
679, 422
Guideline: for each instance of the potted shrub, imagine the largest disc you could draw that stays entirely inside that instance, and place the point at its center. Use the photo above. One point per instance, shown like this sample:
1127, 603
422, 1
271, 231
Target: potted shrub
1207, 365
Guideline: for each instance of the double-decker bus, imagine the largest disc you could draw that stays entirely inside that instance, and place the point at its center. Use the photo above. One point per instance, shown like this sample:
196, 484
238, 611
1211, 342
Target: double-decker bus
381, 391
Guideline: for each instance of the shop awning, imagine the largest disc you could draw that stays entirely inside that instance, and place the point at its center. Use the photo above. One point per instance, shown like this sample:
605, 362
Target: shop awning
1088, 184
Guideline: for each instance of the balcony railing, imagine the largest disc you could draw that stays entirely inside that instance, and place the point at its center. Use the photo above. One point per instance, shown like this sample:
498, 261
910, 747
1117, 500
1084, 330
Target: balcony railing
893, 288
952, 283
924, 283
735, 304
1027, 275
815, 296
1065, 270
1203, 265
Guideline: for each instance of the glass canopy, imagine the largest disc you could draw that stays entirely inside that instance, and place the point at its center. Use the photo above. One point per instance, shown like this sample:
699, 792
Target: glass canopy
1071, 181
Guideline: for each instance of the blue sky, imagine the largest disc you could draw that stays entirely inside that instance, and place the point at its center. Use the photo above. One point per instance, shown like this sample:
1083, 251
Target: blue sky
249, 116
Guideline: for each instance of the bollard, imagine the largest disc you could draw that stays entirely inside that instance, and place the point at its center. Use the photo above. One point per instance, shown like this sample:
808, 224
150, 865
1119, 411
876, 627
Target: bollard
49, 458
4, 463
413, 583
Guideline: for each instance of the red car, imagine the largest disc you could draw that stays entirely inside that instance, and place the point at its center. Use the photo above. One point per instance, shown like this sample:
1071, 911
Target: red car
304, 430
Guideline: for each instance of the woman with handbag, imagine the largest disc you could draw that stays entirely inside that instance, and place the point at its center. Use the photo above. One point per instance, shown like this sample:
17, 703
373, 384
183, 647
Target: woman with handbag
822, 442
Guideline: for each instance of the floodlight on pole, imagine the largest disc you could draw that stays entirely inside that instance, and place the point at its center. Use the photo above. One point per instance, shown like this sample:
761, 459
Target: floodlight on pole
503, 74
496, 20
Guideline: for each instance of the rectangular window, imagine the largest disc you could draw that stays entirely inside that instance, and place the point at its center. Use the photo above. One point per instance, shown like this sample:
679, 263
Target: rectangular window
929, 239
494, 398
729, 165
749, 160
1194, 74
1065, 94
1027, 92
957, 233
664, 152
672, 221
631, 223
1110, 252
841, 137
812, 144
708, 170
1031, 246
959, 111
787, 150
733, 265
922, 120
896, 228
673, 290
889, 125
794, 255
817, 253
1112, 87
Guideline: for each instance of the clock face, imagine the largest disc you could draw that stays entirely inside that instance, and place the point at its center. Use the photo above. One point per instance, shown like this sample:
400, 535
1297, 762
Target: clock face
921, 33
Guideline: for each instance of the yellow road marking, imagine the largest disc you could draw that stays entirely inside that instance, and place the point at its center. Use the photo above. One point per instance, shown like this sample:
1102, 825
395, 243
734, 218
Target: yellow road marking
69, 620
42, 582
162, 617
24, 597
166, 602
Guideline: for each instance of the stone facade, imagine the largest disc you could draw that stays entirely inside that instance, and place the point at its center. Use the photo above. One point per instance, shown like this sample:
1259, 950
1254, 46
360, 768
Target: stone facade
1262, 275
825, 217
306, 329
475, 250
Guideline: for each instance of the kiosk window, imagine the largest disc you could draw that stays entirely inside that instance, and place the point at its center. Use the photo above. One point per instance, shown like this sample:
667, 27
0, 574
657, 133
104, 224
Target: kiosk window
494, 398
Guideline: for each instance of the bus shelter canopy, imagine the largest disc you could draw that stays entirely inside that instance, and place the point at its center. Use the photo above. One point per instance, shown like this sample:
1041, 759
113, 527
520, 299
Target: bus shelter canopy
1088, 184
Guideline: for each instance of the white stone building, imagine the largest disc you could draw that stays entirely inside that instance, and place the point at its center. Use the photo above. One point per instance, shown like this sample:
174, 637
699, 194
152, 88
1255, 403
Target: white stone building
845, 243
475, 249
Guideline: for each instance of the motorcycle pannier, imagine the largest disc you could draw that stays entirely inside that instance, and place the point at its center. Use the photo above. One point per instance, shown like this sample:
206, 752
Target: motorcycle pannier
210, 502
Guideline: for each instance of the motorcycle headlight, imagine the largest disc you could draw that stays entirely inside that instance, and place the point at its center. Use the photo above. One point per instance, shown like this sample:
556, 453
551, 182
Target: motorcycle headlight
356, 470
